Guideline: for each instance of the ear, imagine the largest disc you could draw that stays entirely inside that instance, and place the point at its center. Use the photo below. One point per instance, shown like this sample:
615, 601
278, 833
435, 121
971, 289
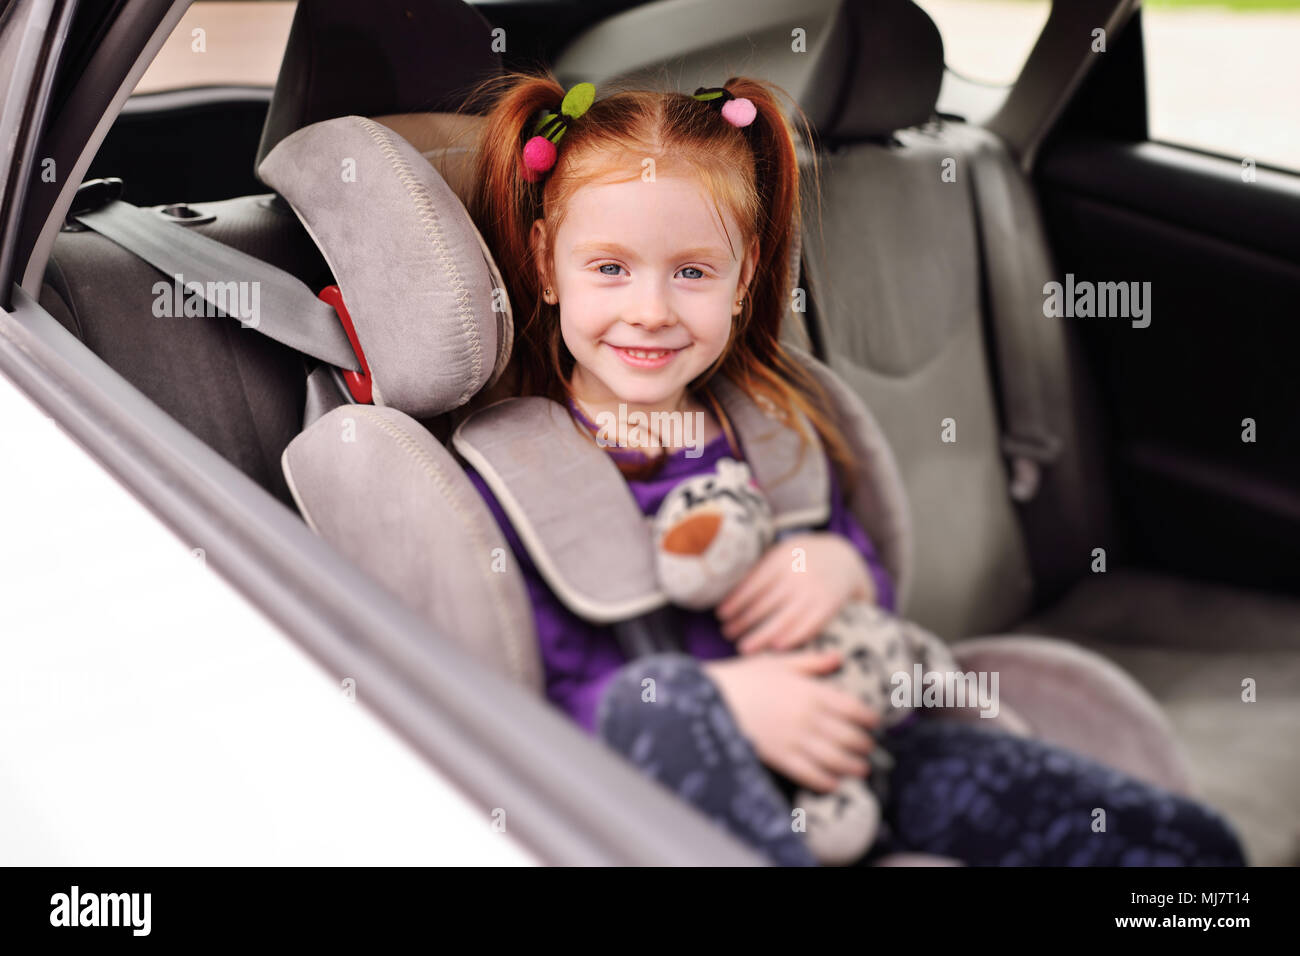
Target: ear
747, 267
537, 239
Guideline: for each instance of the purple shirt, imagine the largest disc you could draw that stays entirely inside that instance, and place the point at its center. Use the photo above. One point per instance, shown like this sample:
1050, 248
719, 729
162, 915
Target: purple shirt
579, 657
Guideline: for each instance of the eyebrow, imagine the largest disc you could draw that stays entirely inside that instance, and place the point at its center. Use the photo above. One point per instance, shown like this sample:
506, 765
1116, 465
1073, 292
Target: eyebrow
700, 252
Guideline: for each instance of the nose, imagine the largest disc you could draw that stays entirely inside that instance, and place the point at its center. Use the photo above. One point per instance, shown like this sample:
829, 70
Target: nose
650, 309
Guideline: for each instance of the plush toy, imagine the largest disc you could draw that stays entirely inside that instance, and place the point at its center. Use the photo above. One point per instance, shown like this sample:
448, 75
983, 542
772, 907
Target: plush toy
709, 531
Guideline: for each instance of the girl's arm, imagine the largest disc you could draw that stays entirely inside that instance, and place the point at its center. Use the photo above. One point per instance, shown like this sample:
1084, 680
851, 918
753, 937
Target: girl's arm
842, 521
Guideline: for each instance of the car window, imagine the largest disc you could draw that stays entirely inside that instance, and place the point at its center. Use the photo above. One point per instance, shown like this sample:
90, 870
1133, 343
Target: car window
236, 42
985, 45
1224, 77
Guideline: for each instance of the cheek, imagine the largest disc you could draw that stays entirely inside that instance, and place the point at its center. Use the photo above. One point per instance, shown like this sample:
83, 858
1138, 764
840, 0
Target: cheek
578, 336
713, 324
582, 320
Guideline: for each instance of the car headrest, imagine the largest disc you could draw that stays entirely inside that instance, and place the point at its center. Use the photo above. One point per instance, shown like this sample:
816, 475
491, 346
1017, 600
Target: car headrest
375, 57
426, 299
888, 58
449, 141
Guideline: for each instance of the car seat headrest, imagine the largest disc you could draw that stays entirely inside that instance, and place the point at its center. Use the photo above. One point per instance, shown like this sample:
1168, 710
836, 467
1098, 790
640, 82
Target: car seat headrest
376, 57
449, 141
425, 297
888, 57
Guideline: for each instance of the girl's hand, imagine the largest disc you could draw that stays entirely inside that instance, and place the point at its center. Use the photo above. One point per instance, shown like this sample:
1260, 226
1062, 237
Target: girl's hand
792, 605
800, 725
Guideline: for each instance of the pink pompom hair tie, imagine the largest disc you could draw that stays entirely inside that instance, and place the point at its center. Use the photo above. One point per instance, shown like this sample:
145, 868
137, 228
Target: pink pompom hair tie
738, 111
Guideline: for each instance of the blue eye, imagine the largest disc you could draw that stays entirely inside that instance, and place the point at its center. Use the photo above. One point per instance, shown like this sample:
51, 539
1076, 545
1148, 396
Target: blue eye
615, 266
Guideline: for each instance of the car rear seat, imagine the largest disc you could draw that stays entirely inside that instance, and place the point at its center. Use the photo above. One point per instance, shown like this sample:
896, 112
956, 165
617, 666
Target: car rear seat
899, 317
240, 392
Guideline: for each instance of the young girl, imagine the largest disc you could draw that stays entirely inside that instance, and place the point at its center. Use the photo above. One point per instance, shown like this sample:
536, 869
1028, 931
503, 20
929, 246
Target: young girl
645, 238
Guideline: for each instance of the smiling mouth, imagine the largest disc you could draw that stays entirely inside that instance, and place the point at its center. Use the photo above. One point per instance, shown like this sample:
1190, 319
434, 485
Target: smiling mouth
645, 353
645, 358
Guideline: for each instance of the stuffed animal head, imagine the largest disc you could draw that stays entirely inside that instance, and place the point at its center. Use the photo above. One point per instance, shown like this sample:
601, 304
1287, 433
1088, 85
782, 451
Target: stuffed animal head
709, 531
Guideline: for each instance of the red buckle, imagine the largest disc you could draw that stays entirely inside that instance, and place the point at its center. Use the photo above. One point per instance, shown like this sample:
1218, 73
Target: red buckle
359, 383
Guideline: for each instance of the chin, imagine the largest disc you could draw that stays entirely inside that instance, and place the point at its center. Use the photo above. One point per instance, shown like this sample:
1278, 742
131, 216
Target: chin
632, 395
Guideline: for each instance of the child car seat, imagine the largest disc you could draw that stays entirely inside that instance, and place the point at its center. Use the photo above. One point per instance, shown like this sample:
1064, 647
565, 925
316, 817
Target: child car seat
419, 285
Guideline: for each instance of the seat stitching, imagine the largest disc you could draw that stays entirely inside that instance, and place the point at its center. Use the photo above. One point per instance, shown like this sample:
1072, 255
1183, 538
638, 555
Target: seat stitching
432, 225
438, 476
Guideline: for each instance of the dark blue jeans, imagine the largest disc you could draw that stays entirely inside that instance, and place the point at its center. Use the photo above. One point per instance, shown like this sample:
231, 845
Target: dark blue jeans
981, 796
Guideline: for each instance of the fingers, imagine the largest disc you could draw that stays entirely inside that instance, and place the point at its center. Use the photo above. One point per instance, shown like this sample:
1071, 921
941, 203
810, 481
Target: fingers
842, 704
747, 615
753, 588
805, 772
807, 622
849, 736
832, 758
785, 629
814, 662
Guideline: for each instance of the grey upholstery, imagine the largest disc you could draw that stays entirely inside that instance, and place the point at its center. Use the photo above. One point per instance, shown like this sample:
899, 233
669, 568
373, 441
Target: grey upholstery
900, 318
239, 391
386, 493
902, 327
416, 275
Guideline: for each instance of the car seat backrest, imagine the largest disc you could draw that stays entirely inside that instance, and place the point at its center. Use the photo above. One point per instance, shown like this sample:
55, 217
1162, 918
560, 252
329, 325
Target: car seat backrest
896, 275
378, 57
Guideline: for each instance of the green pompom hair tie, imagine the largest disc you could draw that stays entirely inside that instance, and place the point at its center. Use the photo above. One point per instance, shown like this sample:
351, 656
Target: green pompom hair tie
540, 151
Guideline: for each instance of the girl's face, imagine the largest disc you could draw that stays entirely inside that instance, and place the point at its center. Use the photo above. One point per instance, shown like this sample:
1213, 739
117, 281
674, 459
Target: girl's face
647, 287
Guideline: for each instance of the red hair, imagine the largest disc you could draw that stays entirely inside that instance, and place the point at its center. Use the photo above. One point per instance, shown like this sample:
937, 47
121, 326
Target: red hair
752, 172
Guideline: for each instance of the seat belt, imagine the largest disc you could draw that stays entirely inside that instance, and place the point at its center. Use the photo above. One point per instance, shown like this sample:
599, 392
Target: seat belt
655, 632
1010, 294
287, 310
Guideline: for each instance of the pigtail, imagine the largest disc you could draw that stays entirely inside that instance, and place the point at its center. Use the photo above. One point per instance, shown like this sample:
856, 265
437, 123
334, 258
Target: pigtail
504, 205
762, 366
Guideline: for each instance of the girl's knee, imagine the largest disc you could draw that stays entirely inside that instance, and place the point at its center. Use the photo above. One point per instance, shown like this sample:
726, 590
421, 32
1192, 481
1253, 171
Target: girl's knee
657, 691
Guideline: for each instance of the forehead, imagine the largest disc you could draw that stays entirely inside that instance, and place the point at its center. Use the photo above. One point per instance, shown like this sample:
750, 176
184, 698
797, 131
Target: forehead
669, 211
